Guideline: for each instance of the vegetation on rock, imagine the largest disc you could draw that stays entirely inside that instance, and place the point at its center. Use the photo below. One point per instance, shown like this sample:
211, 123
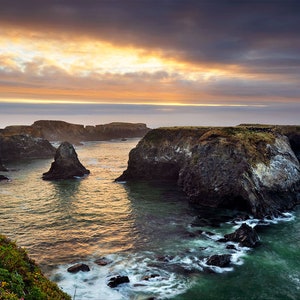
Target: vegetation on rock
21, 278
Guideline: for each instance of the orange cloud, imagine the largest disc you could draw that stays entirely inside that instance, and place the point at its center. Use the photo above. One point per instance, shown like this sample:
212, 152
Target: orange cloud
36, 65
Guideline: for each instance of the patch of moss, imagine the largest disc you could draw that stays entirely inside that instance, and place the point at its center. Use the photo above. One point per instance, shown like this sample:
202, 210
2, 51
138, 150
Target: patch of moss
252, 139
21, 278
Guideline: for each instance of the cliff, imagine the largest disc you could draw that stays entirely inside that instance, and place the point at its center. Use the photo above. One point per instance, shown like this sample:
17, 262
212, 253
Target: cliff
21, 278
63, 131
24, 146
251, 168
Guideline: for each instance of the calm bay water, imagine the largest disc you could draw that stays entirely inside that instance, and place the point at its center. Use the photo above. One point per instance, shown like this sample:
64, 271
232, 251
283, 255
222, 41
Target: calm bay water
144, 230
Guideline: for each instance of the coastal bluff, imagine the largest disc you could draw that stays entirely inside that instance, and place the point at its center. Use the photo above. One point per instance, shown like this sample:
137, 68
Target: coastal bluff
53, 130
253, 168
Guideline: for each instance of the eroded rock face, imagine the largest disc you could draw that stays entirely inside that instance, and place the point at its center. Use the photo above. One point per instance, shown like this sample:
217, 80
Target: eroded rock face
24, 146
60, 131
252, 169
66, 164
246, 236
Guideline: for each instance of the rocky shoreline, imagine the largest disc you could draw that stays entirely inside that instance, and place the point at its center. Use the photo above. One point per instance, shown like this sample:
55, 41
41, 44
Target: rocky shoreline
249, 167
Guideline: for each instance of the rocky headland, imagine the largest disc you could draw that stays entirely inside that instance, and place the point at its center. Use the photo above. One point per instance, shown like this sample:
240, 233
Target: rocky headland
253, 168
62, 131
66, 164
14, 147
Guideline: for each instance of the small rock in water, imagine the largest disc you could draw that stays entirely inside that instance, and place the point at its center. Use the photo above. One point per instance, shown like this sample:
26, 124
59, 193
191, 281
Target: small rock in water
103, 261
2, 177
79, 267
117, 280
246, 236
147, 277
219, 260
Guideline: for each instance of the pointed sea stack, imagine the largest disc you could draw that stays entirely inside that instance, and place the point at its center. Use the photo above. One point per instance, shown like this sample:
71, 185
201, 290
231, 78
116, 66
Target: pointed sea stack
66, 164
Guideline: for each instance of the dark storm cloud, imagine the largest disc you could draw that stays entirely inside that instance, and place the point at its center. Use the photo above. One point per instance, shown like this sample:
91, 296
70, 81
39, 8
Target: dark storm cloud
263, 34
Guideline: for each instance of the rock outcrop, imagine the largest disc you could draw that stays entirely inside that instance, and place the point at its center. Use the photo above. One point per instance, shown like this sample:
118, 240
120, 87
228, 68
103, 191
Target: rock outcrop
66, 164
61, 131
24, 146
251, 169
246, 236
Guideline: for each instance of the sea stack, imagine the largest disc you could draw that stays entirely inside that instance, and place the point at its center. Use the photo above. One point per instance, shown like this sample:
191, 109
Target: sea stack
66, 164
250, 168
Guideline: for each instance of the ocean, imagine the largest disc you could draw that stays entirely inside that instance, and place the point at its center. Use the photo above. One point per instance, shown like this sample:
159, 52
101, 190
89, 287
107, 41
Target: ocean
144, 231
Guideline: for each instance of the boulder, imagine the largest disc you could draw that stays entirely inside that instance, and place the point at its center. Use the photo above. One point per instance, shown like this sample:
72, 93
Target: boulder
117, 280
219, 260
240, 168
103, 261
66, 164
246, 236
78, 267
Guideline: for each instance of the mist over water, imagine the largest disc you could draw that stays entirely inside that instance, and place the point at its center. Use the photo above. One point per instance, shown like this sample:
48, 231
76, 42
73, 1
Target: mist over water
144, 230
153, 115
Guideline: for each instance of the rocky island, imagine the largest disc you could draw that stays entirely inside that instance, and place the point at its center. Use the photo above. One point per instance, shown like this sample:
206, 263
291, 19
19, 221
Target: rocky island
250, 168
66, 164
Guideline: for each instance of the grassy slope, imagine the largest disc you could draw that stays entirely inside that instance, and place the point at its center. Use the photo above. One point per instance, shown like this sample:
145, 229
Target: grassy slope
21, 278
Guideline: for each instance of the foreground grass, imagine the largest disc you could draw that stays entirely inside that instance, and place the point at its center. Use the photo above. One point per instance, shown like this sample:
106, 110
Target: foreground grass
21, 278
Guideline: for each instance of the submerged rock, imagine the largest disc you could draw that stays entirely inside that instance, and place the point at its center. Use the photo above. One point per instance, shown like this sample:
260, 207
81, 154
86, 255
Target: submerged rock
117, 280
250, 169
78, 267
246, 236
66, 164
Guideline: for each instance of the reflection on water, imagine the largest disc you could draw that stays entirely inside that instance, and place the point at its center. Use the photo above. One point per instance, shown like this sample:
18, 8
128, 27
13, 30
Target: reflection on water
69, 219
143, 228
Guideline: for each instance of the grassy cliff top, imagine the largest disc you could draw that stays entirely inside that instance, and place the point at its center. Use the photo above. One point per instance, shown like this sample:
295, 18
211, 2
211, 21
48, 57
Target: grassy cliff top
21, 278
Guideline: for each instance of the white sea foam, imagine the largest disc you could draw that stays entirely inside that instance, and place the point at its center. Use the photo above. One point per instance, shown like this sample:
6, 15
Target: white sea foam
145, 279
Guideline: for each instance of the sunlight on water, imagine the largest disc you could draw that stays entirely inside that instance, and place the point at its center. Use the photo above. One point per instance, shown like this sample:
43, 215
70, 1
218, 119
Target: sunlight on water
143, 229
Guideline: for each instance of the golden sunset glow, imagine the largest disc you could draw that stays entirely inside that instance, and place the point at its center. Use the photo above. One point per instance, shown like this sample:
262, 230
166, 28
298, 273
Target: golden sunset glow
195, 56
80, 69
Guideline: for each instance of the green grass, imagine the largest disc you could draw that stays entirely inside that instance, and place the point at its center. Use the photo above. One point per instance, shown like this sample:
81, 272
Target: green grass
21, 278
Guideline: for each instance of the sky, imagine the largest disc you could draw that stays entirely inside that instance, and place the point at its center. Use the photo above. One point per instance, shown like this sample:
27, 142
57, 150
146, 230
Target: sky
180, 62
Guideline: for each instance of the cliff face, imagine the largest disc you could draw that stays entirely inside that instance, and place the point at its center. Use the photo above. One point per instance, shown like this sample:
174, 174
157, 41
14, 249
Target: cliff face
24, 146
63, 131
252, 169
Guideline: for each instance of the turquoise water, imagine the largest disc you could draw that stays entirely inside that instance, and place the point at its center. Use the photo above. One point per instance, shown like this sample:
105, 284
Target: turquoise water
144, 229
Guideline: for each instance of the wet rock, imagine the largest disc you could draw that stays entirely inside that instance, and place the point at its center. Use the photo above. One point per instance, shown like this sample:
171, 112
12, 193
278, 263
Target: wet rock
219, 260
117, 280
230, 247
2, 177
246, 236
66, 164
165, 258
151, 276
103, 261
78, 267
